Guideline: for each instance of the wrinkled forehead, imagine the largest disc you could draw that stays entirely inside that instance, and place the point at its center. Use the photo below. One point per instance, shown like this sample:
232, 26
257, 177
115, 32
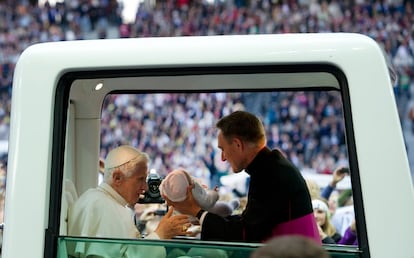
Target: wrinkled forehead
139, 169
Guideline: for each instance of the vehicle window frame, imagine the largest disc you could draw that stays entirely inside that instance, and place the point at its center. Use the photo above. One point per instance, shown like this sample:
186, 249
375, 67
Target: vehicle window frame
62, 99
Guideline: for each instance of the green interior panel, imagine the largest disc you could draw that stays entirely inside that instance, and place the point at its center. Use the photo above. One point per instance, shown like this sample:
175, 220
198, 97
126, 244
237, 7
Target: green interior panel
175, 248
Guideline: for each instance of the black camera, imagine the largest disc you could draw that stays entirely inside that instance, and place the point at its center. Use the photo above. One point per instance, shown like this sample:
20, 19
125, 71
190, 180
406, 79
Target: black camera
344, 170
152, 195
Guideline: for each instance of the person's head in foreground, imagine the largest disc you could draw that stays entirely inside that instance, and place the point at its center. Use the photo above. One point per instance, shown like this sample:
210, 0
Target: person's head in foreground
290, 246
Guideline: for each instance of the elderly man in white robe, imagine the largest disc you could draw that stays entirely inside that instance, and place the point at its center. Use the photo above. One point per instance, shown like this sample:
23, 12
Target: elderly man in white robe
106, 211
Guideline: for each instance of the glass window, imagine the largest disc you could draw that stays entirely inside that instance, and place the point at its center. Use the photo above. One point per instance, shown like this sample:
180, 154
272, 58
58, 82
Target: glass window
171, 115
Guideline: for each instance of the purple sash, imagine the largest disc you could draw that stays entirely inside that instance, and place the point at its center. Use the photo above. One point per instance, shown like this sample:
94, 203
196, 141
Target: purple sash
305, 226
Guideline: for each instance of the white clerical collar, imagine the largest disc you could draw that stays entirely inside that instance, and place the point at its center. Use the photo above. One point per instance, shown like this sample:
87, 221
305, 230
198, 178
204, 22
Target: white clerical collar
114, 194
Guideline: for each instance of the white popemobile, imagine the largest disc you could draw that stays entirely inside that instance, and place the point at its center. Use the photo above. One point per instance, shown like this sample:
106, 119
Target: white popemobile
58, 93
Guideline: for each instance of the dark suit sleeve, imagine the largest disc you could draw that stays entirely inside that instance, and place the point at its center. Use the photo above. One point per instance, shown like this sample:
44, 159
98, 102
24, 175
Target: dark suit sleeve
216, 228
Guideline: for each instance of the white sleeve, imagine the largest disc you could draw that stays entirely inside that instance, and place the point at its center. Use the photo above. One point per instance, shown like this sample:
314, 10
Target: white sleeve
204, 197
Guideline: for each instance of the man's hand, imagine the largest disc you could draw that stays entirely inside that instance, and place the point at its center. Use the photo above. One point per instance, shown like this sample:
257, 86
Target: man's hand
171, 226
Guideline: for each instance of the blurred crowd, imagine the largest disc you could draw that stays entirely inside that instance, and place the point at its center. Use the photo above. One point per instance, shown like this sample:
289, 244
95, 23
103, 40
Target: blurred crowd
292, 118
178, 130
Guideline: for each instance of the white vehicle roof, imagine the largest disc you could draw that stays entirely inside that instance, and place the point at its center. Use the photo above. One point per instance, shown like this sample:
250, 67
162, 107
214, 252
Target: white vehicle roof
384, 175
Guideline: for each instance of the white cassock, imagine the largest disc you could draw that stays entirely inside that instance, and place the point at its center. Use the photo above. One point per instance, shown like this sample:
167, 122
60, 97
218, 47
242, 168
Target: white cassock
101, 212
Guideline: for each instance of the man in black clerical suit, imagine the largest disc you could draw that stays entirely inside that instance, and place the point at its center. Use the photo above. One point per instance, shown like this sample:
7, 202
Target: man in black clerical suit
278, 198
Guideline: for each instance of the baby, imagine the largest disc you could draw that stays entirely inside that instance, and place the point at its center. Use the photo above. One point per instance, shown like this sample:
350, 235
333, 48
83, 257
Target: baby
174, 187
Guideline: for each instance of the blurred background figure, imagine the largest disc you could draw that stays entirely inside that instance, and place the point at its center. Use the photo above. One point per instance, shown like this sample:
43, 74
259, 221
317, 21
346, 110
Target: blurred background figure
291, 246
327, 231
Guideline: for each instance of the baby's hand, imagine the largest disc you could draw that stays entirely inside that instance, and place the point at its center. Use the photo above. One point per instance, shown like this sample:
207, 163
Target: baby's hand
193, 231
